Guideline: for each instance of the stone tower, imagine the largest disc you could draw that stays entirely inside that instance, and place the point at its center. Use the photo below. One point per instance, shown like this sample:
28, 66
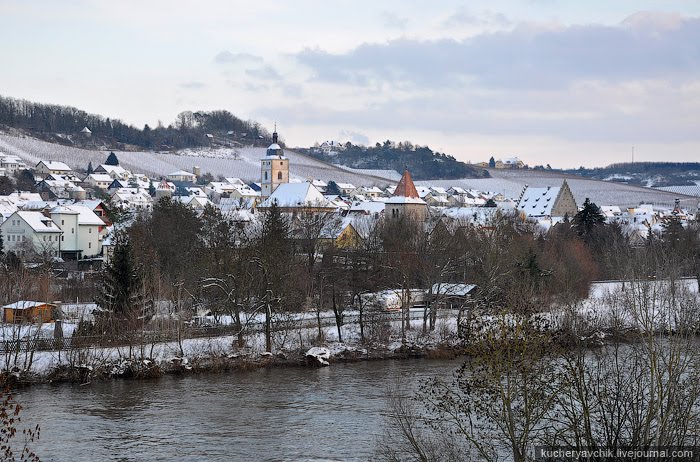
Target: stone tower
405, 201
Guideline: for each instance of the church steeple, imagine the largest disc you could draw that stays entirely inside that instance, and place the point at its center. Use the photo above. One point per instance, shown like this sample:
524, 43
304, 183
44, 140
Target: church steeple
274, 168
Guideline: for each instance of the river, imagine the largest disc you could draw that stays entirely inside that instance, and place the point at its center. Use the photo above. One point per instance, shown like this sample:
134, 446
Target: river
279, 414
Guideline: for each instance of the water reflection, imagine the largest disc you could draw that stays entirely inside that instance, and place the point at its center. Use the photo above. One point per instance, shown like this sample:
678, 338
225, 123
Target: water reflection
275, 415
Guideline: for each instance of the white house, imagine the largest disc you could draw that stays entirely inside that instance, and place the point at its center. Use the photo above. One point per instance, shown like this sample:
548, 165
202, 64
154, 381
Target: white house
131, 199
11, 164
115, 172
182, 176
292, 197
27, 232
48, 167
81, 230
98, 180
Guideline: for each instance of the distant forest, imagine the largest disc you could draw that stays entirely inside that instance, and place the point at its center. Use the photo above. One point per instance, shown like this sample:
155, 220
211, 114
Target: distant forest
422, 162
63, 124
642, 167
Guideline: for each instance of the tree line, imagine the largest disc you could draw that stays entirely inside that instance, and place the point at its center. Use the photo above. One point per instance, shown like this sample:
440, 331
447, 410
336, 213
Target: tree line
189, 129
423, 162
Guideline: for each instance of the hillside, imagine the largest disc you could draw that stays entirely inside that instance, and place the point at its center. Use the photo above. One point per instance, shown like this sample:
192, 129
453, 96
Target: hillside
423, 162
649, 174
241, 162
511, 183
66, 125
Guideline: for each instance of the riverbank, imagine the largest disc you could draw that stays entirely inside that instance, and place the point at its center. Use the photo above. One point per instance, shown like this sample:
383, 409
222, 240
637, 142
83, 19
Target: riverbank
220, 354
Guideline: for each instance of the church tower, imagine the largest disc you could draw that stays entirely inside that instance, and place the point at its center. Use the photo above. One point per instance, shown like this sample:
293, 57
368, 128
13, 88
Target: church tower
274, 168
405, 201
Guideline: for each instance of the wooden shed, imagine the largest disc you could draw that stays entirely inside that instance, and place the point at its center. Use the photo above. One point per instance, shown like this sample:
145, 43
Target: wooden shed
25, 311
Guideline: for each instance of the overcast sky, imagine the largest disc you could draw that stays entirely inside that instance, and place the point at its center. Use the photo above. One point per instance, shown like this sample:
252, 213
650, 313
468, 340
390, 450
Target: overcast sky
562, 82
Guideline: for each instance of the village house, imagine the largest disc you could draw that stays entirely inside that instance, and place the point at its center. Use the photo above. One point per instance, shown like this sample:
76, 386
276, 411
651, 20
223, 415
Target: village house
98, 181
26, 233
48, 167
28, 312
547, 202
115, 172
296, 198
131, 199
81, 231
181, 176
9, 165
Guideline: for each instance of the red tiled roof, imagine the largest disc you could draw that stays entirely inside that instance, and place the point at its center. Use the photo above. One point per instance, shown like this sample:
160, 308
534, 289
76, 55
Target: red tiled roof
406, 188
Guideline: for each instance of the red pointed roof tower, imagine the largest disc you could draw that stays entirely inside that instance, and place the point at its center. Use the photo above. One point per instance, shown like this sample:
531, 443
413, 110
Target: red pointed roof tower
406, 201
406, 188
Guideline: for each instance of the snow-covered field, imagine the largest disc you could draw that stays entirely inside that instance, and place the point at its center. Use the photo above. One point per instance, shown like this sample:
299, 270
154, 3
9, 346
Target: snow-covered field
511, 183
242, 163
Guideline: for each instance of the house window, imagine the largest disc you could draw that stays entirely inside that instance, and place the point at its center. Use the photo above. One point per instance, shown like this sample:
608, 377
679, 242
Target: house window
61, 238
72, 230
24, 238
266, 175
90, 230
279, 175
281, 163
63, 222
89, 245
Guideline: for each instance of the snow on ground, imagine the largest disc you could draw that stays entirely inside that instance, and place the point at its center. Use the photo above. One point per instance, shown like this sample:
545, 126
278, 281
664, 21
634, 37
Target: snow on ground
510, 183
241, 163
298, 337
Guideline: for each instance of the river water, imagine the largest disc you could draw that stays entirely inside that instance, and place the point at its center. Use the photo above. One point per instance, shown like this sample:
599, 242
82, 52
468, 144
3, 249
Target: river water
281, 414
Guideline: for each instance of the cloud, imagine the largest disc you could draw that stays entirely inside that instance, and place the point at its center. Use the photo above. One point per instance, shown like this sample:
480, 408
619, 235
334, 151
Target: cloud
264, 73
393, 20
193, 85
227, 57
526, 57
354, 137
464, 17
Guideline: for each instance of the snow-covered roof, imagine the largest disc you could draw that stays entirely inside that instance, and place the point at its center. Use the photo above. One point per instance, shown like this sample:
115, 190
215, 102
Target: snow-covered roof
296, 195
452, 290
404, 200
25, 304
181, 173
55, 165
85, 215
369, 207
99, 177
481, 215
538, 201
116, 169
274, 151
92, 204
38, 222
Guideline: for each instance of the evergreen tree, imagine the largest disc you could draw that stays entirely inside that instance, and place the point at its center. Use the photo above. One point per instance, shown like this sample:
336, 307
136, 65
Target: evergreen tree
490, 203
333, 188
122, 294
151, 189
90, 170
112, 159
588, 219
492, 162
7, 186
